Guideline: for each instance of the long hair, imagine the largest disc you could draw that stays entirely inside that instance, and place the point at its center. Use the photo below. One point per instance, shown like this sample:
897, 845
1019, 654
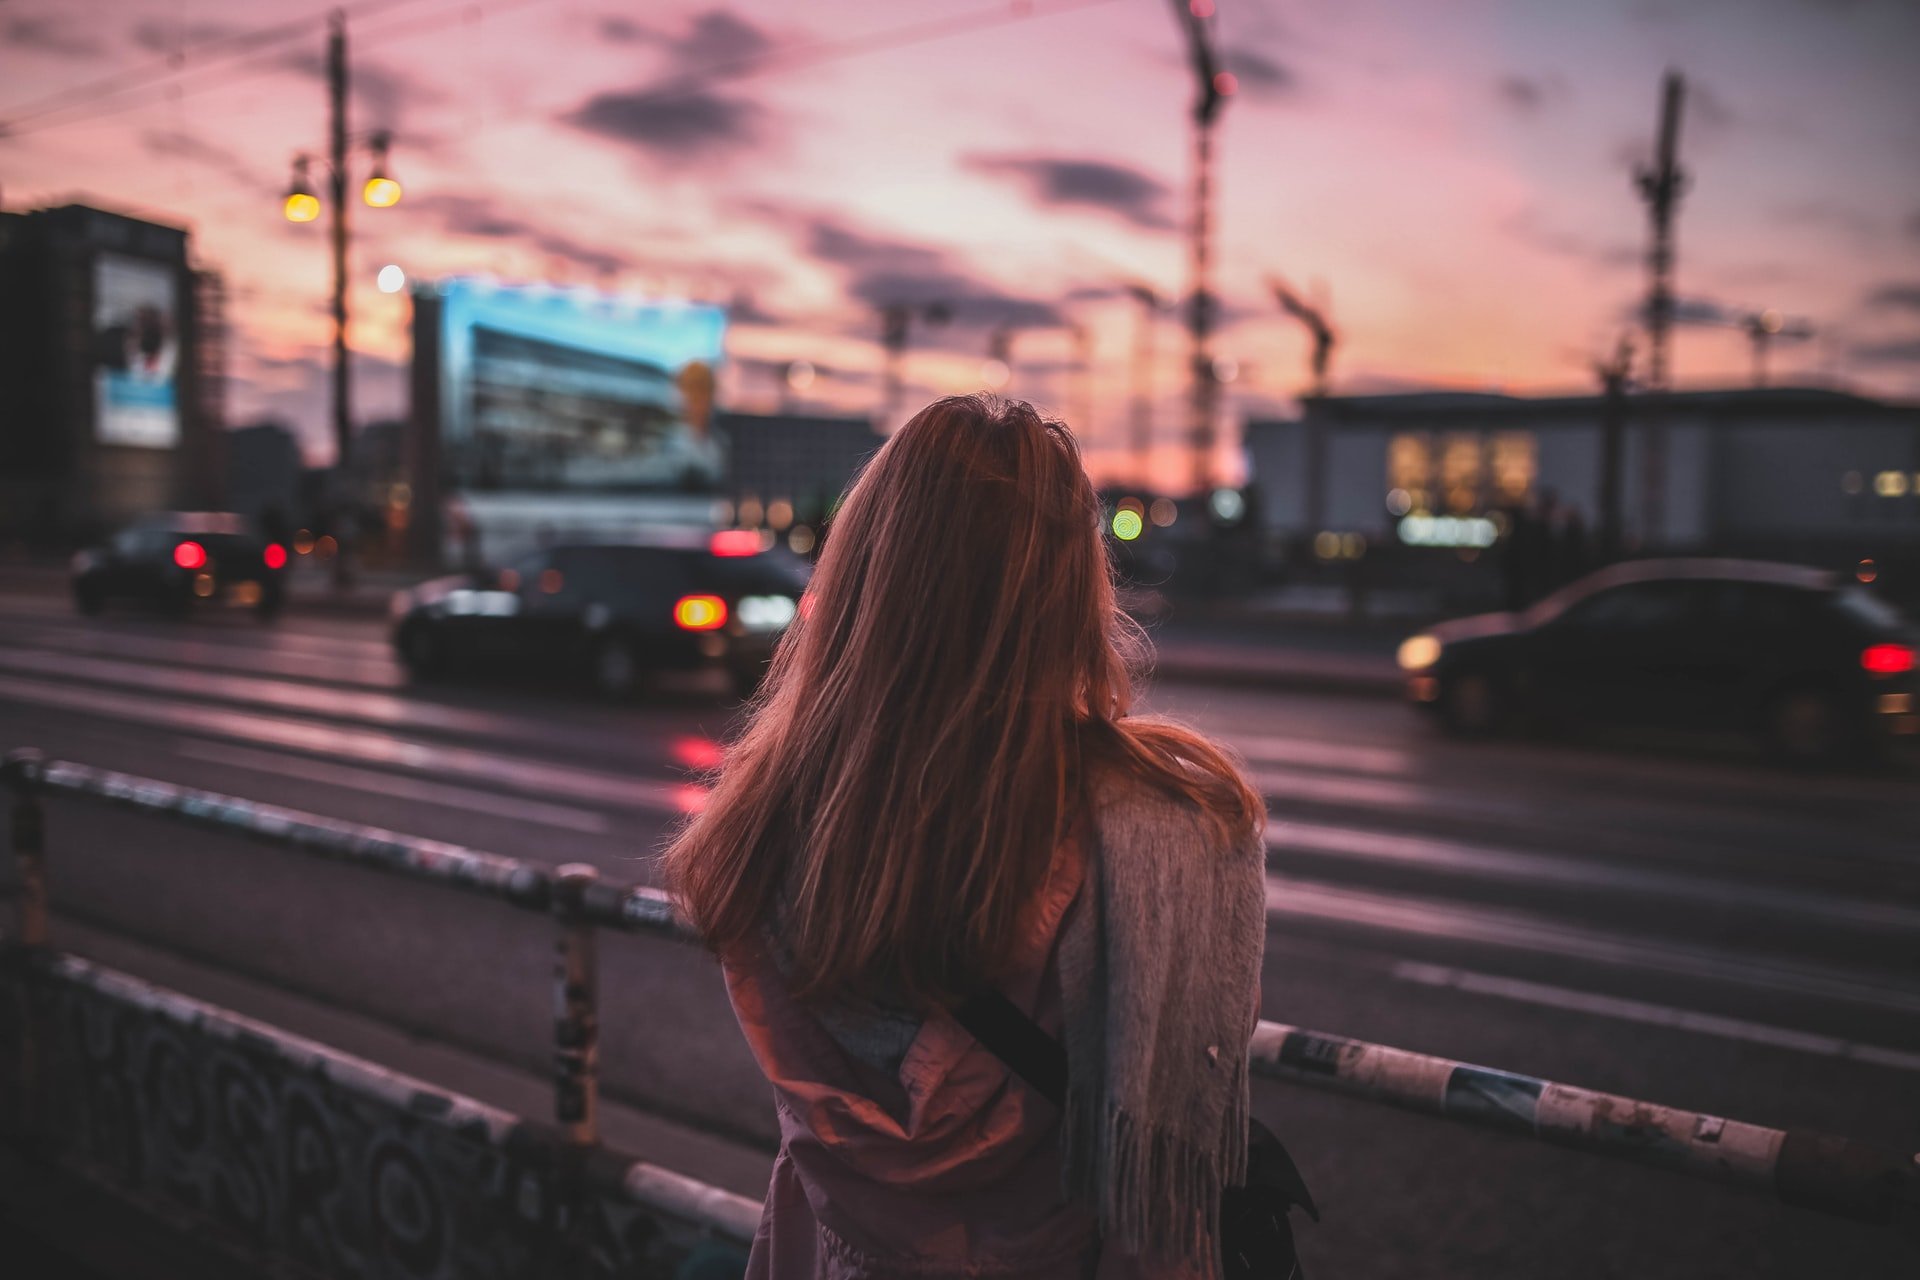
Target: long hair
931, 723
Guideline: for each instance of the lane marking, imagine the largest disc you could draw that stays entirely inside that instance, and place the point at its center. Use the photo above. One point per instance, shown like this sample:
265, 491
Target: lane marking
1260, 748
1511, 930
467, 799
1514, 867
1654, 1015
619, 790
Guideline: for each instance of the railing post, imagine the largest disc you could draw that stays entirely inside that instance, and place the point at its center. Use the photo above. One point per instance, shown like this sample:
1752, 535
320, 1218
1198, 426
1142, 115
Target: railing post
22, 771
576, 1009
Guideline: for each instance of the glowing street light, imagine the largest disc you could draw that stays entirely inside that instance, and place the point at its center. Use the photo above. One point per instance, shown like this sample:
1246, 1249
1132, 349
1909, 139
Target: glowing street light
391, 279
301, 205
381, 190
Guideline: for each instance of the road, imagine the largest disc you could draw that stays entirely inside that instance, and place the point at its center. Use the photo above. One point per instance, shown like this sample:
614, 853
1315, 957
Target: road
1675, 922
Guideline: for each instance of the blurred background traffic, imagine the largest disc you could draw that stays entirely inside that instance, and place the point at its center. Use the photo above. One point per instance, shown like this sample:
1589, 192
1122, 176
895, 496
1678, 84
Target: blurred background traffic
1506, 420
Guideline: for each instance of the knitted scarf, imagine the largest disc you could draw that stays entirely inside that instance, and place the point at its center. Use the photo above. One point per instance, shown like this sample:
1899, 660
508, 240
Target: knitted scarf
1160, 989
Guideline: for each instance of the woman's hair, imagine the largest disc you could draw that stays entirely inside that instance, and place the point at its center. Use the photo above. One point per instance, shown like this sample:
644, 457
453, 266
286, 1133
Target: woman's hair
932, 721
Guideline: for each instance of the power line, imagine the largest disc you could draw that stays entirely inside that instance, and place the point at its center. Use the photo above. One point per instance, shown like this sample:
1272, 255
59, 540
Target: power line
211, 52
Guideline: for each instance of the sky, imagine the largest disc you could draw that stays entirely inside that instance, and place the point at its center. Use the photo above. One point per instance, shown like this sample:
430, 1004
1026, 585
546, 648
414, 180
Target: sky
1454, 181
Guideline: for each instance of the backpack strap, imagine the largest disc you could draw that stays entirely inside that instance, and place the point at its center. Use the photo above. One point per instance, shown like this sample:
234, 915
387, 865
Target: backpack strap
1018, 1041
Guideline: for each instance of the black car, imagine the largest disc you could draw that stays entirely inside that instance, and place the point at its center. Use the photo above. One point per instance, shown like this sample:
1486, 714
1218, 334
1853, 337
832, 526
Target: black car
178, 560
1815, 666
610, 611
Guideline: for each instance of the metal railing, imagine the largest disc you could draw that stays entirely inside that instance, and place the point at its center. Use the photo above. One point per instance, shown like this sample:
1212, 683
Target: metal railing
1811, 1170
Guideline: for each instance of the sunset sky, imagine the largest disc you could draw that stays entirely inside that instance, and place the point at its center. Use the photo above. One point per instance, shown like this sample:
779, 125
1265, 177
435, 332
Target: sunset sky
1456, 176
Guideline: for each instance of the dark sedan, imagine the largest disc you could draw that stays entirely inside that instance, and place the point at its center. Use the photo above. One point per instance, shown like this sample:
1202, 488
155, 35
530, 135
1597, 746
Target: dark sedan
177, 560
612, 612
1814, 666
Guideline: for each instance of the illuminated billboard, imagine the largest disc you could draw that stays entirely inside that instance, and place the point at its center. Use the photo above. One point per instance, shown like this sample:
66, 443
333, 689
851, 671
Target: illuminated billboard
544, 389
136, 353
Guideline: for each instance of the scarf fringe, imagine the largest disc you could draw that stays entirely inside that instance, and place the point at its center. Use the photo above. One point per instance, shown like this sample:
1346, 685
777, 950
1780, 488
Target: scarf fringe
1156, 1192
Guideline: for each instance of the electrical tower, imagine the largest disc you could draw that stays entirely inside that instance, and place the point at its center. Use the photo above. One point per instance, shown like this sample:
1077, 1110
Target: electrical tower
1661, 186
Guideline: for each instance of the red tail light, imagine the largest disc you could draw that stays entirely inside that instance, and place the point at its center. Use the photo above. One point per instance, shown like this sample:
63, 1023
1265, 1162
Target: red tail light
1887, 659
190, 555
700, 613
276, 556
735, 542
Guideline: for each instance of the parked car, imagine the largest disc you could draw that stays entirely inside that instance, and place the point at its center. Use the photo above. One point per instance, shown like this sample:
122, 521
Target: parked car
177, 560
1813, 665
612, 612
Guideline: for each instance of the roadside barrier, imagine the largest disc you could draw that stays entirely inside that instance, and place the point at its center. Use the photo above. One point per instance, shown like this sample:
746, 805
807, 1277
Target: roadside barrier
1830, 1174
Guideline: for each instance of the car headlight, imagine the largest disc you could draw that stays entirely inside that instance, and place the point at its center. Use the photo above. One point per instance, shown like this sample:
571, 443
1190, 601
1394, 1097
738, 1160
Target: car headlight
1417, 653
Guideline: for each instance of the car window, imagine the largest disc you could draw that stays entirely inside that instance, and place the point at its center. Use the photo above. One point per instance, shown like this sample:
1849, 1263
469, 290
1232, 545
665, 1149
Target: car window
1635, 607
1762, 606
1864, 607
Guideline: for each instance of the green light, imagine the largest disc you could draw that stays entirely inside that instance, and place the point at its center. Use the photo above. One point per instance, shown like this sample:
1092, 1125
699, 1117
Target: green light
1126, 525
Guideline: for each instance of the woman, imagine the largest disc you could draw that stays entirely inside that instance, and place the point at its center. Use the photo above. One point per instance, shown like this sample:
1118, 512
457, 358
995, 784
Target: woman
940, 792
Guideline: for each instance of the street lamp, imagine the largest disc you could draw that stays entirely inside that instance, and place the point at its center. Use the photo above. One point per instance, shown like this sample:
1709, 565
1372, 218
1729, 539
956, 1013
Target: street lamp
301, 205
381, 191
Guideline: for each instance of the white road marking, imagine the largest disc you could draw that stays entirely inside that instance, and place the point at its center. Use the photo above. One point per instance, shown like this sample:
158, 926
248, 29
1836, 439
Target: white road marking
1513, 867
1655, 1015
536, 812
1289, 898
1260, 748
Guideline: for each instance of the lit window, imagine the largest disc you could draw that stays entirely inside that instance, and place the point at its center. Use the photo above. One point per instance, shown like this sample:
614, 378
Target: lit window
1516, 462
1461, 459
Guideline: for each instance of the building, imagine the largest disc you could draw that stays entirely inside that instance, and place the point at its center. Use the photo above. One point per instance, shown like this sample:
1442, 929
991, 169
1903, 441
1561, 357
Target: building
264, 467
110, 374
803, 460
1793, 473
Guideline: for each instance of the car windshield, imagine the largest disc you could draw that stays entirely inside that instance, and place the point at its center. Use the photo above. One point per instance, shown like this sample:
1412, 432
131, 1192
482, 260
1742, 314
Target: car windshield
1865, 607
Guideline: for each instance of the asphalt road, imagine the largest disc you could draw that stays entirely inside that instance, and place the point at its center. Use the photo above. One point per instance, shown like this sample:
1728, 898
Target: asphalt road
1670, 921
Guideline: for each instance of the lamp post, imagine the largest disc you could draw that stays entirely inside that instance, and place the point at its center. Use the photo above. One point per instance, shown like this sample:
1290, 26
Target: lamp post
380, 191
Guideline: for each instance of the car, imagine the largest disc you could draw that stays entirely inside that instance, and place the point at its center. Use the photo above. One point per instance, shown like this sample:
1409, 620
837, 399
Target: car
610, 611
177, 560
1813, 665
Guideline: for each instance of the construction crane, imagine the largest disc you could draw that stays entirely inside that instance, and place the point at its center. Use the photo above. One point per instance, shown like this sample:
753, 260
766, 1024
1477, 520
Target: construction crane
1661, 186
1212, 86
1763, 328
1314, 317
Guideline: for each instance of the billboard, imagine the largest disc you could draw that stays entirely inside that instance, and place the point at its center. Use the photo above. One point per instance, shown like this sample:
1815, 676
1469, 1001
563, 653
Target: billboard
136, 353
551, 390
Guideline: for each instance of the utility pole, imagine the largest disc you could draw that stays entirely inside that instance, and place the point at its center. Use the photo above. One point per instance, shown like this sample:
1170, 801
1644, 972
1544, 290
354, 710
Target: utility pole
1212, 86
302, 205
1761, 328
1614, 375
1661, 187
342, 370
1140, 443
896, 322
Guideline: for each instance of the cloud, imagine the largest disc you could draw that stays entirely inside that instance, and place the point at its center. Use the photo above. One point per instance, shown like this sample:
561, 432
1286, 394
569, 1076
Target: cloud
716, 36
1530, 229
1129, 193
1529, 95
1689, 312
880, 272
51, 33
156, 36
1898, 351
681, 123
484, 219
1904, 296
381, 95
1828, 214
1258, 74
178, 144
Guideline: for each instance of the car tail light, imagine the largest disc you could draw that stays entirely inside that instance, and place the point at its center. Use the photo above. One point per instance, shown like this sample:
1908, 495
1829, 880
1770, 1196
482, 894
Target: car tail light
275, 556
1887, 659
700, 613
735, 542
190, 555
